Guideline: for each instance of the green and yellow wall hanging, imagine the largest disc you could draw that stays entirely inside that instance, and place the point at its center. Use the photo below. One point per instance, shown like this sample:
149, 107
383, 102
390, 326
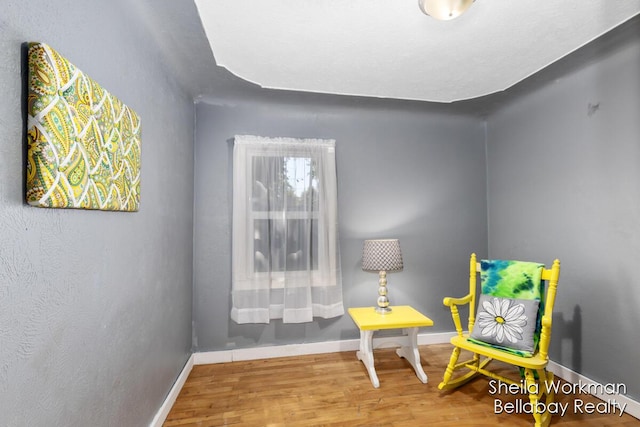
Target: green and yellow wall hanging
83, 144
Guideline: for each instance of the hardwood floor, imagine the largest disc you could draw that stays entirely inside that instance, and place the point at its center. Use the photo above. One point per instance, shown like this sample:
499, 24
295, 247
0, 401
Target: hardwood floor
334, 390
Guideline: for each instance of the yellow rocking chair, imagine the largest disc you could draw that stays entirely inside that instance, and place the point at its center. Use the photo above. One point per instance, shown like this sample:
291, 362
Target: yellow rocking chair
491, 323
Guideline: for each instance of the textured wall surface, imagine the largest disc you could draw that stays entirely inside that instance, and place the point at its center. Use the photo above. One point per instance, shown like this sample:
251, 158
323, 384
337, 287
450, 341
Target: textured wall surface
564, 181
95, 307
406, 174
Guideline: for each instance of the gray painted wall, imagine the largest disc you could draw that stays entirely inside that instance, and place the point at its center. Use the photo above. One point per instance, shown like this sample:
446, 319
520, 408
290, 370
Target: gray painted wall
95, 307
402, 173
564, 181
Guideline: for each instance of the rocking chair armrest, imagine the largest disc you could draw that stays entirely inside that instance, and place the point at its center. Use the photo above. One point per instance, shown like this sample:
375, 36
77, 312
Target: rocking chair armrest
453, 304
450, 301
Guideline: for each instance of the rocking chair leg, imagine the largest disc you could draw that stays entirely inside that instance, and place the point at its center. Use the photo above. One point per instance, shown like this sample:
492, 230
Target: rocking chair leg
449, 383
449, 371
549, 386
542, 419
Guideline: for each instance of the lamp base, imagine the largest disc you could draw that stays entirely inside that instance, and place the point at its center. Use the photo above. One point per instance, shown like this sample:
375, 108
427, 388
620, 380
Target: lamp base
383, 301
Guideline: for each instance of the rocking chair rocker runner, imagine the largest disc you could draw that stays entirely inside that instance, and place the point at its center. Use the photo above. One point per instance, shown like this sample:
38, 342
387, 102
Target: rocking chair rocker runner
513, 326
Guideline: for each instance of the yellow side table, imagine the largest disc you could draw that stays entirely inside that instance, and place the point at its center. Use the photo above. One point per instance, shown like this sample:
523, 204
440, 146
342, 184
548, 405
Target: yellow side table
401, 317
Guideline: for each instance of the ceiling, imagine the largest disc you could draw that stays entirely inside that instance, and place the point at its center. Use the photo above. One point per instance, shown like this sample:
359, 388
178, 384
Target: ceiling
352, 51
390, 49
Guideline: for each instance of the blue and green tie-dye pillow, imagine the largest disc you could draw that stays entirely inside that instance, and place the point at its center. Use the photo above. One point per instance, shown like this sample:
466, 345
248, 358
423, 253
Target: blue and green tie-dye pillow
511, 279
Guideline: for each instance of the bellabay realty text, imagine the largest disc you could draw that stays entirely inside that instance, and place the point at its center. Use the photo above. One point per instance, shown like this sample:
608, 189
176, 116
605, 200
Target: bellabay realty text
522, 405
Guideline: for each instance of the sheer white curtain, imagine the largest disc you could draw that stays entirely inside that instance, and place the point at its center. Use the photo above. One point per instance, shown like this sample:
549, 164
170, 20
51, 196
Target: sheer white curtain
286, 261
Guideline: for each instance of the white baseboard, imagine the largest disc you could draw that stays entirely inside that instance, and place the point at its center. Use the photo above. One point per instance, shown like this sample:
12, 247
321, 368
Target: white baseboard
210, 357
162, 413
632, 407
225, 356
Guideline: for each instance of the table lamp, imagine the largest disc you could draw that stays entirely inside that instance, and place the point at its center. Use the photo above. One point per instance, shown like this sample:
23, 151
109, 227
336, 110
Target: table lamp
382, 255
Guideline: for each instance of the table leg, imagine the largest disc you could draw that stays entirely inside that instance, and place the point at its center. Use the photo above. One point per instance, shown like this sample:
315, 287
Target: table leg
412, 354
366, 356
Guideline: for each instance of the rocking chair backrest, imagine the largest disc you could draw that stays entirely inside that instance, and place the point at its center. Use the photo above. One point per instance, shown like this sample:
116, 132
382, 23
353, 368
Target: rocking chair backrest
522, 280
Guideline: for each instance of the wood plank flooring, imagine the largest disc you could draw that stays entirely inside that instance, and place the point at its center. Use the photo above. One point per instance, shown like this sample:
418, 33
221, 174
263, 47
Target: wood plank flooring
334, 390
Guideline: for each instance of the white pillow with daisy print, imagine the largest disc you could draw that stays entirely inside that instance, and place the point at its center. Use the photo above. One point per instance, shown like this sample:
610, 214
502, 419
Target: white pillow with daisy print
506, 322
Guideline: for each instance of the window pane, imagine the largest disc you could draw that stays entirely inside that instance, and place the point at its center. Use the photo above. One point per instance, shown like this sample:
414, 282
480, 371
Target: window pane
268, 183
285, 245
302, 184
284, 183
261, 245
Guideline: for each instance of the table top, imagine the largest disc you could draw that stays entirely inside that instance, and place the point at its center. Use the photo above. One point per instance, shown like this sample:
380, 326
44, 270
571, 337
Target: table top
401, 316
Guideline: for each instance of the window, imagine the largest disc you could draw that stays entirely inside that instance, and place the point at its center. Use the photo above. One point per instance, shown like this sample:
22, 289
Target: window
285, 212
285, 246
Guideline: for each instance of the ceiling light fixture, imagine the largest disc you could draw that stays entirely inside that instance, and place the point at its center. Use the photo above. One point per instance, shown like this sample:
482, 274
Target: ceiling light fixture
444, 10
